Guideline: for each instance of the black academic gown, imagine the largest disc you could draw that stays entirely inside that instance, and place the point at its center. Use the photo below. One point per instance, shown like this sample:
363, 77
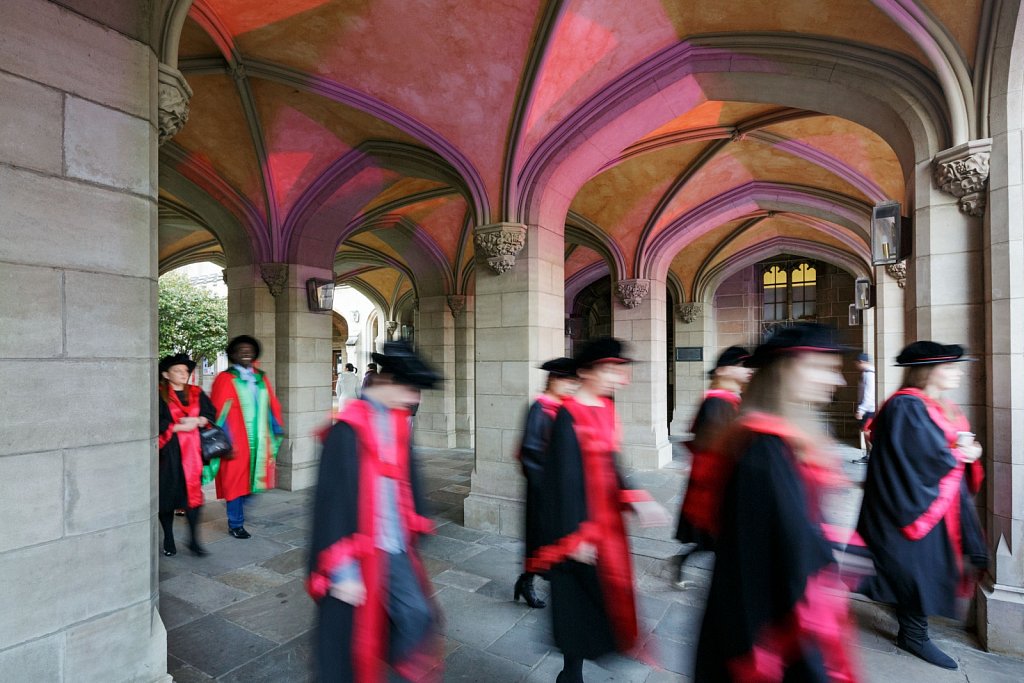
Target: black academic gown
769, 547
336, 509
173, 488
910, 454
536, 433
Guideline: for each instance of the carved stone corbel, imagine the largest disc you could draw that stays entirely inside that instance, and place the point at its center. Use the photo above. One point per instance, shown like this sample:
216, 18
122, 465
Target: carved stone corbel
275, 275
174, 94
898, 271
392, 325
457, 304
689, 312
962, 171
500, 243
632, 292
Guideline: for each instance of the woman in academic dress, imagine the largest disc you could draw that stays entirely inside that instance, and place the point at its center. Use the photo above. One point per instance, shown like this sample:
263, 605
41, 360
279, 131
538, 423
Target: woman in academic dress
184, 409
585, 551
918, 516
776, 610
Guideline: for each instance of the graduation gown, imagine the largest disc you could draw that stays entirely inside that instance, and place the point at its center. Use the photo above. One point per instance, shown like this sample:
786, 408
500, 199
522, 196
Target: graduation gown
709, 469
918, 516
352, 642
252, 466
592, 606
180, 459
536, 433
776, 610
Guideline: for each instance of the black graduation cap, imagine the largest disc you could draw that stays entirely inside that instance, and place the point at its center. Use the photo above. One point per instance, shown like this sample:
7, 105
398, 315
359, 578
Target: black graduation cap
931, 353
734, 355
405, 367
601, 350
243, 339
168, 362
560, 367
796, 338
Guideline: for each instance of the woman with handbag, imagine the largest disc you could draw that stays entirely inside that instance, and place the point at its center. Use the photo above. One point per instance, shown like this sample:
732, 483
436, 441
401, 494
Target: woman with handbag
184, 409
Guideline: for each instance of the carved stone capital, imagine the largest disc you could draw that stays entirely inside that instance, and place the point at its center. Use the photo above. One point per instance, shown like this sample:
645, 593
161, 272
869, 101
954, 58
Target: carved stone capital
962, 171
392, 325
689, 312
174, 95
898, 271
632, 292
457, 304
275, 275
500, 243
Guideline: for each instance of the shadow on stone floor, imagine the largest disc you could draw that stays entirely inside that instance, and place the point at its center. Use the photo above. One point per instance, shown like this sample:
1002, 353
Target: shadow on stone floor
241, 614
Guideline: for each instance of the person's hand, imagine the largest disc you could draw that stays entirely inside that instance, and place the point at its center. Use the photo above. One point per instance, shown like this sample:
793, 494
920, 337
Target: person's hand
650, 513
350, 591
203, 421
186, 424
585, 553
970, 452
859, 414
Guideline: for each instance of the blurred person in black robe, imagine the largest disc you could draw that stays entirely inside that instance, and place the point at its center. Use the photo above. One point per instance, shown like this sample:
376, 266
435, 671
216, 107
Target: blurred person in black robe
709, 470
918, 516
776, 610
184, 410
371, 589
541, 416
585, 551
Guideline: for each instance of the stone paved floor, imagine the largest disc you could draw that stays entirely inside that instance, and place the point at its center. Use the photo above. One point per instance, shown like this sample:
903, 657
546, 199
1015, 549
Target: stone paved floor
241, 614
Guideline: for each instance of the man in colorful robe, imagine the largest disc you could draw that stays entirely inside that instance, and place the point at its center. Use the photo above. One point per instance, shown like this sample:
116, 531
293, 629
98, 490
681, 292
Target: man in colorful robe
254, 426
371, 590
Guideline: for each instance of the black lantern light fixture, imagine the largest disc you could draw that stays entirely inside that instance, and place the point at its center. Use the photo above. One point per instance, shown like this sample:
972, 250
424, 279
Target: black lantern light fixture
320, 295
890, 234
863, 294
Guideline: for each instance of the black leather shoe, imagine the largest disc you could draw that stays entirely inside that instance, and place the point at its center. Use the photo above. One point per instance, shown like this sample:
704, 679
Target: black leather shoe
240, 532
524, 588
927, 651
198, 550
169, 549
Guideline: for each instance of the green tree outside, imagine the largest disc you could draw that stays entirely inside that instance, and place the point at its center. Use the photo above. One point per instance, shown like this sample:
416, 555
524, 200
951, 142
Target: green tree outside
191, 319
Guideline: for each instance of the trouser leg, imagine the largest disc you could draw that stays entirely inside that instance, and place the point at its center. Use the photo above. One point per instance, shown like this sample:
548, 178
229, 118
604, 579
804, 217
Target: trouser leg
167, 523
409, 612
236, 512
192, 517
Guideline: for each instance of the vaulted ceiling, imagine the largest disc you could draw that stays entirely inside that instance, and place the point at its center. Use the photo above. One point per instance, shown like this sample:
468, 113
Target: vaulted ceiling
374, 134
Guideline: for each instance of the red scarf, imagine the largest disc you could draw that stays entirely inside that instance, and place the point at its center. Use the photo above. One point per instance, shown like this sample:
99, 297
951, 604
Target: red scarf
370, 620
188, 442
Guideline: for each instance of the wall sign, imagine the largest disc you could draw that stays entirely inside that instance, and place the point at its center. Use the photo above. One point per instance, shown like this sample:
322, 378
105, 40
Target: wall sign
685, 354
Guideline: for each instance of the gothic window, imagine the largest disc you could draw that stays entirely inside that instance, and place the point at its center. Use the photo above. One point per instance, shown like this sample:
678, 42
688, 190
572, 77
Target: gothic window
789, 291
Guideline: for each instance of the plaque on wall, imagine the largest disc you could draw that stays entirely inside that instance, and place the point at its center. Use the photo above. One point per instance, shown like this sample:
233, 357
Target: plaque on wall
686, 354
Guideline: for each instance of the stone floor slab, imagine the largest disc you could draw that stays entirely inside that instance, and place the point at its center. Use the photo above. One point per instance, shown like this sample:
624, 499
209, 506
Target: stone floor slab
461, 580
229, 554
292, 662
288, 561
481, 620
253, 579
474, 666
201, 592
523, 644
175, 612
278, 614
215, 646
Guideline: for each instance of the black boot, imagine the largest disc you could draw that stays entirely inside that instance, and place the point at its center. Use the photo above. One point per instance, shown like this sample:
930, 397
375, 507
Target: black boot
167, 522
913, 637
524, 587
192, 515
572, 670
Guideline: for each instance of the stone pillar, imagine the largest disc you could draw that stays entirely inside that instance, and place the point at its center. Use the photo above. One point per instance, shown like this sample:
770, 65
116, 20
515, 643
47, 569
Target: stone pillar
435, 339
889, 328
695, 327
1001, 609
78, 219
519, 325
639, 320
303, 376
251, 309
465, 399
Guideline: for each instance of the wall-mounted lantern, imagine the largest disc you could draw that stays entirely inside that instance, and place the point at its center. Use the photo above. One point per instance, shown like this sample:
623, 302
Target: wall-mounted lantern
863, 294
320, 295
890, 234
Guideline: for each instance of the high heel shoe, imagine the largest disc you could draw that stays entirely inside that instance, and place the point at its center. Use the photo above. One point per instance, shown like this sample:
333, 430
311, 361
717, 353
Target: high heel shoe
170, 550
524, 588
198, 550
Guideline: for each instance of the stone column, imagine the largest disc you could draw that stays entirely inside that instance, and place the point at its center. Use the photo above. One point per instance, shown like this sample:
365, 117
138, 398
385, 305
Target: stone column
695, 328
1001, 609
639, 320
519, 325
251, 307
465, 398
303, 375
435, 339
78, 219
889, 328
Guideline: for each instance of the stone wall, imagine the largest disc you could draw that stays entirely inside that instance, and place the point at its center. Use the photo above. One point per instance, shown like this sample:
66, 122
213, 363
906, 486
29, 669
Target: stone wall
77, 350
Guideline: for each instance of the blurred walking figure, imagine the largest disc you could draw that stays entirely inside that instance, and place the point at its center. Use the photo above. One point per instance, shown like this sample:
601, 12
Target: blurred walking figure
254, 426
348, 386
184, 409
776, 610
918, 516
371, 589
709, 469
585, 550
865, 412
369, 376
561, 383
